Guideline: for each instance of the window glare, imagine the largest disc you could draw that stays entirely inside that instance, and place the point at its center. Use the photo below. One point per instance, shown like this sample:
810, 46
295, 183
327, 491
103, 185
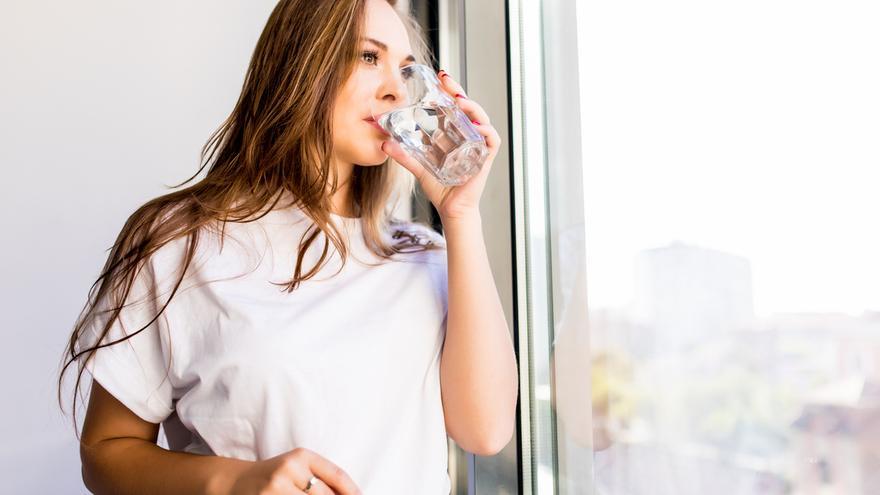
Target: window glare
730, 169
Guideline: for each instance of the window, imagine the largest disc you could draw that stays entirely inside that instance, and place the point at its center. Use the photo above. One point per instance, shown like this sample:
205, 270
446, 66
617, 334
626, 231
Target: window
697, 286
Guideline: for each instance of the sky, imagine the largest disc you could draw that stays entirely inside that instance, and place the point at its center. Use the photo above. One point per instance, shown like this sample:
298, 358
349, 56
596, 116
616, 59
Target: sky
751, 127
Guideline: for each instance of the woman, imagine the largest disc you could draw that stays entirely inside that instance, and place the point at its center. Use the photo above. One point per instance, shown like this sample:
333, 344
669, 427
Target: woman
346, 378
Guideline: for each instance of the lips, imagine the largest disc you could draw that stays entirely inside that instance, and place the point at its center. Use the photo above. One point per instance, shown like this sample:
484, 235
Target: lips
375, 125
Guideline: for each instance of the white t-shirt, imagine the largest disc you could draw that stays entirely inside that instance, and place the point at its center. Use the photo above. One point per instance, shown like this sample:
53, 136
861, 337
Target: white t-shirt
346, 365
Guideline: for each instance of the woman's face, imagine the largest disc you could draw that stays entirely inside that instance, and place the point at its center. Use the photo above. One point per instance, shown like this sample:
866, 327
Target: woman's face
375, 83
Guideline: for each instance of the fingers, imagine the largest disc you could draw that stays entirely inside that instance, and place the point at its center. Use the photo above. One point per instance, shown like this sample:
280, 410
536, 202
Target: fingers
455, 90
473, 110
294, 477
397, 153
332, 480
493, 139
449, 84
334, 477
430, 185
318, 488
476, 112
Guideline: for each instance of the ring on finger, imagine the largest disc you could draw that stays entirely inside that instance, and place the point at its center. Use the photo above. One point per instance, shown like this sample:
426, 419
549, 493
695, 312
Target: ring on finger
311, 483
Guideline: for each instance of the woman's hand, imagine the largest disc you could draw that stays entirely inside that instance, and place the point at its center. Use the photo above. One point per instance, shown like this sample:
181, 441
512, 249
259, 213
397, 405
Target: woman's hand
460, 201
289, 474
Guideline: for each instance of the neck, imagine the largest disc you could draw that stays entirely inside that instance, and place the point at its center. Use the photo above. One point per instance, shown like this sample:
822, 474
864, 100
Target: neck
341, 200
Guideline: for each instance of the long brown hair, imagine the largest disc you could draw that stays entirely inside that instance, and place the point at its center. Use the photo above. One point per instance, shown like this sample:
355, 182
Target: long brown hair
276, 143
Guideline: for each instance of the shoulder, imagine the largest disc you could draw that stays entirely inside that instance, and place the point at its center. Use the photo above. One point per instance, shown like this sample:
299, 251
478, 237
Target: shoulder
422, 245
431, 260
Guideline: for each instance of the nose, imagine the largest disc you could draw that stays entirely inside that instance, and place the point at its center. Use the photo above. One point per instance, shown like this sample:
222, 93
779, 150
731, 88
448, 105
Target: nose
393, 90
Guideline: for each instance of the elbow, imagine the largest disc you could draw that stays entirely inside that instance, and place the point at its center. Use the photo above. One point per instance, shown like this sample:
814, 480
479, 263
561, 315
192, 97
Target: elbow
87, 480
494, 444
499, 436
484, 441
93, 469
87, 468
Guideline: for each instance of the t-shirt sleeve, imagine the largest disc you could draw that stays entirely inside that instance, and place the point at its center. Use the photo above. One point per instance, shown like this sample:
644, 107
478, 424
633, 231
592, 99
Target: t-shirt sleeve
435, 261
134, 371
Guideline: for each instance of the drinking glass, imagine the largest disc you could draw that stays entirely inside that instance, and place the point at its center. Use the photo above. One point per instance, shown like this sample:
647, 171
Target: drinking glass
433, 129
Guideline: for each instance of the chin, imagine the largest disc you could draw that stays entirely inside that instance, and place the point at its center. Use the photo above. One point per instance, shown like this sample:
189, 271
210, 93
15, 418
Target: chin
371, 161
372, 164
371, 158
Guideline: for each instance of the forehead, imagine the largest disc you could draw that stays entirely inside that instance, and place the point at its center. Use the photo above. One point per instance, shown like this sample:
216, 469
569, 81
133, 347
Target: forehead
384, 25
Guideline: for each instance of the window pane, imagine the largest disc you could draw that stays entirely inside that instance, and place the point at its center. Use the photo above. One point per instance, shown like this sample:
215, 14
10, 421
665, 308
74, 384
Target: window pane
732, 274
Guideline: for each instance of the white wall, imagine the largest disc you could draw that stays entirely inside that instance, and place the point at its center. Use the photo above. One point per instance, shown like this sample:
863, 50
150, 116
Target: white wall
101, 103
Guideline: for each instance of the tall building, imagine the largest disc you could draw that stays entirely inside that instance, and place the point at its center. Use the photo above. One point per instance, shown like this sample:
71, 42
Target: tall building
688, 294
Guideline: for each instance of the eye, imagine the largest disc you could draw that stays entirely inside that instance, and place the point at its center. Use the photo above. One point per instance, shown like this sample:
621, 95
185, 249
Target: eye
372, 54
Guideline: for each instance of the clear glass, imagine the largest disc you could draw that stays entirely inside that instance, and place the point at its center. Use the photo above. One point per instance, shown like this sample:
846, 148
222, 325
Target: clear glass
433, 129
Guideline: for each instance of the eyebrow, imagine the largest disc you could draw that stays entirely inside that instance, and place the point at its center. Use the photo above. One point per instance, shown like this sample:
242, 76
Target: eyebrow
384, 47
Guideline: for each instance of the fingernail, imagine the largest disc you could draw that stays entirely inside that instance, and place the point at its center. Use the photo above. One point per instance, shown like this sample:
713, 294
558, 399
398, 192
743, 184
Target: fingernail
442, 73
459, 95
475, 122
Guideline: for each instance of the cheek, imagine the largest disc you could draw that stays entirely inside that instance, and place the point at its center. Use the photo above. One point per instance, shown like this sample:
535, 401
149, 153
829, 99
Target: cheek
348, 112
355, 141
347, 132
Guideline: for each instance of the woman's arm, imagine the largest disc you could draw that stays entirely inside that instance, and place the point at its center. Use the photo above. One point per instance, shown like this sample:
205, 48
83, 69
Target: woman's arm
134, 466
120, 456
478, 370
478, 367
